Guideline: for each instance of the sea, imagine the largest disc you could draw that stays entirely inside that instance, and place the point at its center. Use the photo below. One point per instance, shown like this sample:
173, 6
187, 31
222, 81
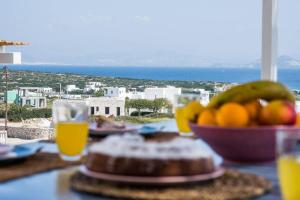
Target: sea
288, 76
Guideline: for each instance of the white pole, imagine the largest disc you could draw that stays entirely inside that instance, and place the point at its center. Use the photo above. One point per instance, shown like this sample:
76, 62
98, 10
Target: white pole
59, 90
269, 40
2, 49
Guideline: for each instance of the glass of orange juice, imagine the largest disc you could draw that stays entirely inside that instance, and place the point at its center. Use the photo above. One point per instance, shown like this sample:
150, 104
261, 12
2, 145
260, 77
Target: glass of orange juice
181, 113
71, 128
288, 148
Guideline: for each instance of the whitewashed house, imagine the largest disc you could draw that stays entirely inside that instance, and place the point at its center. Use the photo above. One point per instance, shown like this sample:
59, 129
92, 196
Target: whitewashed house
106, 106
134, 94
32, 96
89, 88
204, 97
92, 86
71, 88
170, 93
119, 92
46, 90
95, 83
71, 96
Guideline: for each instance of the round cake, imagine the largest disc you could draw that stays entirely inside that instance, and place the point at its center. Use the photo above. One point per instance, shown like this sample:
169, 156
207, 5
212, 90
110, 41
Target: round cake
132, 155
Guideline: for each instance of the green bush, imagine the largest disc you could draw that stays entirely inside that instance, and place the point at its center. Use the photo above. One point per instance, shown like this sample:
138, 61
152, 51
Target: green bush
18, 113
136, 113
138, 120
154, 105
160, 115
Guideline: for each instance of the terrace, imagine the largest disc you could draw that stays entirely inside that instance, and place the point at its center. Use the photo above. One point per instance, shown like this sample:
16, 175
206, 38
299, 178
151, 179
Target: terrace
41, 170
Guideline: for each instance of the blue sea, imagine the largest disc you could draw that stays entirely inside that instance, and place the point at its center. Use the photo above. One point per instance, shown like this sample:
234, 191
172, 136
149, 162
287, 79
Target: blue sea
290, 77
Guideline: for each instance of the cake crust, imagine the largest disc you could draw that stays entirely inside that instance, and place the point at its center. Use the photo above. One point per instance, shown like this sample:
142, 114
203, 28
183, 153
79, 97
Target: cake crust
134, 156
148, 167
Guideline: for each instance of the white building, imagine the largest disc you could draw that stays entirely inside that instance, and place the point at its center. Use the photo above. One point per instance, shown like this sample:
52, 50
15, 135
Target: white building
95, 83
10, 57
219, 89
32, 96
88, 88
200, 95
71, 96
92, 85
71, 88
204, 97
133, 94
136, 95
106, 106
46, 90
170, 93
119, 92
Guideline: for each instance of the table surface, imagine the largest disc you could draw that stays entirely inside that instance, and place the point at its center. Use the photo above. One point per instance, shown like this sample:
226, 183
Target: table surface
55, 184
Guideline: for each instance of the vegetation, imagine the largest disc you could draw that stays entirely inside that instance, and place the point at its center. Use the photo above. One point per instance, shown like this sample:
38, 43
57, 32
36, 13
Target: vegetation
155, 105
50, 101
43, 79
18, 113
141, 120
99, 93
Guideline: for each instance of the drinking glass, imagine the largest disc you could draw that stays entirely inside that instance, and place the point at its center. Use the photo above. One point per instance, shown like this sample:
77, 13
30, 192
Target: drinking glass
71, 128
288, 149
182, 122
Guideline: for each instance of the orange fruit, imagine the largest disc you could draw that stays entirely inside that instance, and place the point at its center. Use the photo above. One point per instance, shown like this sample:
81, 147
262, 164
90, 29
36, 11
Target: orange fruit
207, 117
253, 124
192, 110
298, 120
278, 112
253, 108
232, 115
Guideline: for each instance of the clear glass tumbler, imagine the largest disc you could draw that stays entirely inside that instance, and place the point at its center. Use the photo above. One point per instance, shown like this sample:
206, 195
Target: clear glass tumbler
288, 150
71, 128
180, 113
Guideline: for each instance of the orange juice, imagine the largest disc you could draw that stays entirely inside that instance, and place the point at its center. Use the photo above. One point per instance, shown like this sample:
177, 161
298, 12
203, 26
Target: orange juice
71, 137
182, 122
289, 175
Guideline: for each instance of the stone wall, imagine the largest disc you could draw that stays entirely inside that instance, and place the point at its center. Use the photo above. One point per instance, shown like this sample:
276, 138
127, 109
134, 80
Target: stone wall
27, 133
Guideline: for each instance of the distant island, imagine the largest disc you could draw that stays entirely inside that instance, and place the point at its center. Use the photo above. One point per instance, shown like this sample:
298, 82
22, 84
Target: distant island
43, 79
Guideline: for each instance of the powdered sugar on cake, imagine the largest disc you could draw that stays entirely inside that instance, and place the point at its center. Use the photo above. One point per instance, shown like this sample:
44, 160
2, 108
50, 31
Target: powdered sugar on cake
135, 146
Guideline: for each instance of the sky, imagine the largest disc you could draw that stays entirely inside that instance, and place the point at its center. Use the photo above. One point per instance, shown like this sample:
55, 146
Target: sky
144, 32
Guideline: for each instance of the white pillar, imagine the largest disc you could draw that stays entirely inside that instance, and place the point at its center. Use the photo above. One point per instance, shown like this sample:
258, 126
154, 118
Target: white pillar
269, 40
2, 49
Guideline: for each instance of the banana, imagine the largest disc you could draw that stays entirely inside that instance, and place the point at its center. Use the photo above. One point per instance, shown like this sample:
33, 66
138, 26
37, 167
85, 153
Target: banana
266, 90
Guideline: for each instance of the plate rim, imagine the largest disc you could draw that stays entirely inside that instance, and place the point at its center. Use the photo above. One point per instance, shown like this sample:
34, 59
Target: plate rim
5, 149
18, 157
162, 180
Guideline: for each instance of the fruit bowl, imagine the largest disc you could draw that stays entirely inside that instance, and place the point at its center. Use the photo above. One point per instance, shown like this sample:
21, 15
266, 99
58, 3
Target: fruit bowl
249, 144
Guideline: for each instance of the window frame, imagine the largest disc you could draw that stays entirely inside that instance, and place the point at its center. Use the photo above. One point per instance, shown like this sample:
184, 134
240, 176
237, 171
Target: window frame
106, 110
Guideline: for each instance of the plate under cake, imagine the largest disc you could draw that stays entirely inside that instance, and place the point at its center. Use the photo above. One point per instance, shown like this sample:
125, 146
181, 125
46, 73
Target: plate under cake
132, 155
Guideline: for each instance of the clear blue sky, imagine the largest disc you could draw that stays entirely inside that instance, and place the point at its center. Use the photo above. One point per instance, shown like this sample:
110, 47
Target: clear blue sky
145, 32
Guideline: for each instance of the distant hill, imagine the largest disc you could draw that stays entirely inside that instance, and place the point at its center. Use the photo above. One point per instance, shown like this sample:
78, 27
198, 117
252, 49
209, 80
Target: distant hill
288, 62
283, 61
